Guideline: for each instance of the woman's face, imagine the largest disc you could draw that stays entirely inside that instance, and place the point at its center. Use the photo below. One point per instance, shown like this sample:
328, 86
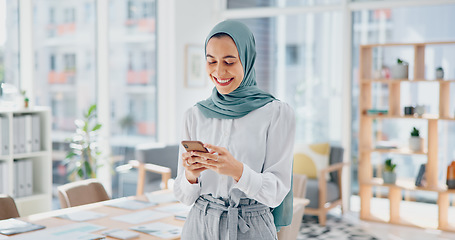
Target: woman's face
223, 64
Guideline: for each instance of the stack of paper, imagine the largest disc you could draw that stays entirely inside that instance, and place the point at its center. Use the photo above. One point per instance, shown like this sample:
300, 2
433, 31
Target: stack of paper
14, 226
142, 216
161, 230
82, 216
129, 204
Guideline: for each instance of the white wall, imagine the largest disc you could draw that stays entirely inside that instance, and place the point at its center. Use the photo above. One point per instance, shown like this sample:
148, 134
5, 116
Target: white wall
193, 21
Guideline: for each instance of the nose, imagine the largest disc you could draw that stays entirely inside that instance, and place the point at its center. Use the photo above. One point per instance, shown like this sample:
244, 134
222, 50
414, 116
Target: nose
220, 69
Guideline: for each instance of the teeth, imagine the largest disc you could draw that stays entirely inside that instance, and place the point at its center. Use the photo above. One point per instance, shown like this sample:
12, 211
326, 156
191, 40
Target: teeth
223, 81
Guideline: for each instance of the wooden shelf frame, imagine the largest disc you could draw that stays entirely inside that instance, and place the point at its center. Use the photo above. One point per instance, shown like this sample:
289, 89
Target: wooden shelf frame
366, 145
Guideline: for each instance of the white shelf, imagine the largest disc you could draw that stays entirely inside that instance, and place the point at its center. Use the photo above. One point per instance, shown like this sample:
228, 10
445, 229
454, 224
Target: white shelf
41, 162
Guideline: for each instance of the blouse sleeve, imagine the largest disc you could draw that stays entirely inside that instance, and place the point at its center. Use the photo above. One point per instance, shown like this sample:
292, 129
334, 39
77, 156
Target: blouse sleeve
272, 185
184, 191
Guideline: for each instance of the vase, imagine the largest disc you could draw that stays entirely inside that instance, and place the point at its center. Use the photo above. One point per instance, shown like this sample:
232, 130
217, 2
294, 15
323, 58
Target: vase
389, 177
399, 71
416, 144
451, 175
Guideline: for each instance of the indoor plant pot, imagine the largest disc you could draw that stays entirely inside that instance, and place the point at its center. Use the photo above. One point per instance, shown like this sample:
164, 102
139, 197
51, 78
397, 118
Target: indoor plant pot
400, 70
388, 175
415, 141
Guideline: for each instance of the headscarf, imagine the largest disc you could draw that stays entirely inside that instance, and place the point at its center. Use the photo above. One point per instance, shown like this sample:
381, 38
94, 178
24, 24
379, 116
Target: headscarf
247, 97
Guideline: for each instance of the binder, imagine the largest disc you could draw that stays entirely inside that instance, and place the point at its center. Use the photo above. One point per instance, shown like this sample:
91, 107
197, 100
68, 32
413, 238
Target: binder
5, 136
36, 132
28, 177
22, 134
16, 183
15, 134
2, 183
20, 178
28, 133
2, 132
5, 179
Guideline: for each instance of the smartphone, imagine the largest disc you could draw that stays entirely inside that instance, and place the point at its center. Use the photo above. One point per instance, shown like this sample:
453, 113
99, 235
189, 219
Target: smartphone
197, 146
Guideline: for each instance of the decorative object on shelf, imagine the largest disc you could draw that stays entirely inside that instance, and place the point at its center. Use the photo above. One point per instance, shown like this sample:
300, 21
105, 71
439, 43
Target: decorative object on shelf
439, 73
420, 179
26, 100
415, 141
84, 157
420, 110
377, 111
409, 110
451, 175
400, 70
389, 174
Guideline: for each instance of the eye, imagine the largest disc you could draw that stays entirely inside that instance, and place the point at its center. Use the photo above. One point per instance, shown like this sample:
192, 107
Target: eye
229, 63
211, 62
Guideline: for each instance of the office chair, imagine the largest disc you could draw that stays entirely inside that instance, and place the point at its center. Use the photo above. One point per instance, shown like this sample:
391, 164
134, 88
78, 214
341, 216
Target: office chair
81, 192
8, 207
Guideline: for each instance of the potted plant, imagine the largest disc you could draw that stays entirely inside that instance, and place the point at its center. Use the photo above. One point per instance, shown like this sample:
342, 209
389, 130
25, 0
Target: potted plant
26, 100
439, 73
415, 141
400, 70
84, 158
389, 174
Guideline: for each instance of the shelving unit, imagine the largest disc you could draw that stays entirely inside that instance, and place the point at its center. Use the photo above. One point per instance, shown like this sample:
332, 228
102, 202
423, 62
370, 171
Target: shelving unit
366, 147
41, 198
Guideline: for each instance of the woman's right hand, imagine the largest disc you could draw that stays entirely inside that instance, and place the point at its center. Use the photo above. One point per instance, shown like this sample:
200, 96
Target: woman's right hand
192, 167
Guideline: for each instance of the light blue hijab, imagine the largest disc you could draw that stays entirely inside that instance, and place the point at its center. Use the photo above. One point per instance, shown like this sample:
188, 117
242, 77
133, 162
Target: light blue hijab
247, 97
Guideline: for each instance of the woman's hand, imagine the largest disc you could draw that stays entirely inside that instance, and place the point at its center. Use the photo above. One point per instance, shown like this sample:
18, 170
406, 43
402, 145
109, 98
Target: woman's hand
221, 161
192, 166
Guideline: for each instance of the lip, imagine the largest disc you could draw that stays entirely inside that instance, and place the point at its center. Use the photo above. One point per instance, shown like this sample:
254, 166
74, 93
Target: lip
223, 81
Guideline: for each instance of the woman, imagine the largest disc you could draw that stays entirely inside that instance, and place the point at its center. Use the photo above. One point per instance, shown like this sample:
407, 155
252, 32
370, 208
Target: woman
250, 135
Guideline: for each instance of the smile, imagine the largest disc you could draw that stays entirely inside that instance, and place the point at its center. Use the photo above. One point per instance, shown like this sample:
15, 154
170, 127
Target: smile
223, 82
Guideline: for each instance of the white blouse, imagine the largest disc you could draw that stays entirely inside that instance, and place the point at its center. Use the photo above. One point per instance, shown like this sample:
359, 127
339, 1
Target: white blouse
263, 141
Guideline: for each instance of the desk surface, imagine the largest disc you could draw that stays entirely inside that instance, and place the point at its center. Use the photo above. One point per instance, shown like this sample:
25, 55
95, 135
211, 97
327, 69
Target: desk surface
49, 220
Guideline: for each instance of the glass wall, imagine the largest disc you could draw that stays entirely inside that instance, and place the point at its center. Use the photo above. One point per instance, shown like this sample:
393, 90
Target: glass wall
65, 67
401, 25
293, 55
9, 42
233, 4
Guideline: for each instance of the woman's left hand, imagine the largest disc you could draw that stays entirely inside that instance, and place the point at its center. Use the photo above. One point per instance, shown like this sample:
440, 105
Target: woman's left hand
221, 161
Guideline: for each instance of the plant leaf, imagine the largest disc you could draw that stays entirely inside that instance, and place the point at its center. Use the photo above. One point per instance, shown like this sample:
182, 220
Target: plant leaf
88, 168
96, 127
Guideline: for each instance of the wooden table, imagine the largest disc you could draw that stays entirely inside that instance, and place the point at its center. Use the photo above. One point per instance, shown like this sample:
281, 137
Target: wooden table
49, 220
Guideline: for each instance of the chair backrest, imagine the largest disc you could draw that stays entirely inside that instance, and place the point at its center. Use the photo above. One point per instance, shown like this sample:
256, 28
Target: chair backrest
8, 207
81, 192
336, 156
162, 155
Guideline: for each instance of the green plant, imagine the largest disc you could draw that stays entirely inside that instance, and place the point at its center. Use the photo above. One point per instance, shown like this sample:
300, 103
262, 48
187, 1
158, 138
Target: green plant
401, 62
415, 132
83, 158
439, 69
389, 166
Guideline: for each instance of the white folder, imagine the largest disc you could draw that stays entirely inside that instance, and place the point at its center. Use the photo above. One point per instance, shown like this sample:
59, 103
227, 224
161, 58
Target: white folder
36, 145
28, 133
28, 177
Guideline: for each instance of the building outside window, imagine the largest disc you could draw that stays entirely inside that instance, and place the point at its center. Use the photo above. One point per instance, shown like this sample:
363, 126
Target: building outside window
9, 42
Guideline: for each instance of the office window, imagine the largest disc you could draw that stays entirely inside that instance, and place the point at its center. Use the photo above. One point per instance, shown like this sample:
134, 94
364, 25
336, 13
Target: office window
132, 64
9, 42
64, 47
232, 4
299, 63
406, 24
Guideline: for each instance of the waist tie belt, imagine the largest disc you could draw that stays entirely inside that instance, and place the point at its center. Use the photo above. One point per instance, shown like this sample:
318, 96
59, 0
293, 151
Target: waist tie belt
234, 219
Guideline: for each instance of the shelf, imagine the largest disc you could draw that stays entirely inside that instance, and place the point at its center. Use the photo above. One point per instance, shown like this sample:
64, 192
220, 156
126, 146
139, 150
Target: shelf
404, 44
31, 155
403, 151
423, 117
388, 80
407, 184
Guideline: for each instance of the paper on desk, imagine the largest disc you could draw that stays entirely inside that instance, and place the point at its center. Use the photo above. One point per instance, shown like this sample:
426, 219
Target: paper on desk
159, 229
3, 237
161, 198
174, 208
129, 204
82, 216
76, 231
142, 216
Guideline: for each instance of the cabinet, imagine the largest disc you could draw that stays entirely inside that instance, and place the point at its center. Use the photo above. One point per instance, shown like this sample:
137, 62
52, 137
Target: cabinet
25, 140
394, 111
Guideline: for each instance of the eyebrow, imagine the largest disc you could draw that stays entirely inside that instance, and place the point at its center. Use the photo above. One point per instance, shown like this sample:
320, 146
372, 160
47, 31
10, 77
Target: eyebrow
228, 56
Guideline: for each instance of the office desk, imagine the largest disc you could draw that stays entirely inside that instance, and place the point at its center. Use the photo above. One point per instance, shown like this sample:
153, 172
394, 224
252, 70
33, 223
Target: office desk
50, 220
